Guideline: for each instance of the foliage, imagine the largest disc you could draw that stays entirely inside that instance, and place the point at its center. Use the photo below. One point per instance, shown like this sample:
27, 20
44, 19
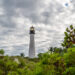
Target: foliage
69, 71
22, 54
69, 38
1, 51
47, 64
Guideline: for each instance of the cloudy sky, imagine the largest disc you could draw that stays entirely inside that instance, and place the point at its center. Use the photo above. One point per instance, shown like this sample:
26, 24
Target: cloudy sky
49, 17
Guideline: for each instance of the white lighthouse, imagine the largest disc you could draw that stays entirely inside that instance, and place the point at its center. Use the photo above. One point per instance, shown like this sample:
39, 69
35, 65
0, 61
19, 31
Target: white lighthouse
32, 43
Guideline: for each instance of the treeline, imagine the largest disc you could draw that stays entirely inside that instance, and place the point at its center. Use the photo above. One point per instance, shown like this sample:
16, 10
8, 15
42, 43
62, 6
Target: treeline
56, 61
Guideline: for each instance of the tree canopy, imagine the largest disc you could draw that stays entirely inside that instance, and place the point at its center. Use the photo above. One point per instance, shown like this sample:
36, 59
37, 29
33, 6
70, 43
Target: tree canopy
69, 38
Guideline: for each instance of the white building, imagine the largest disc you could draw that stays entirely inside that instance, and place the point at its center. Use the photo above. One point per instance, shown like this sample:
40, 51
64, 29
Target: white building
32, 43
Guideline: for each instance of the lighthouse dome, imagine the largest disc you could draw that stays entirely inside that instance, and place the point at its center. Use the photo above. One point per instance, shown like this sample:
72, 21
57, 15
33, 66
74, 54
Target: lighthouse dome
32, 30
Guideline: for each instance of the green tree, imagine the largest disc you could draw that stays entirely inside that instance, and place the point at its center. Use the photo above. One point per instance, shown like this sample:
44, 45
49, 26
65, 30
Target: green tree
40, 55
69, 38
69, 58
51, 49
22, 54
69, 71
1, 51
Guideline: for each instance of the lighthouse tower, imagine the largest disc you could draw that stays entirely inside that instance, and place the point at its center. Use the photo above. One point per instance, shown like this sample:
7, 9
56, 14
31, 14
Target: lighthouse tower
32, 43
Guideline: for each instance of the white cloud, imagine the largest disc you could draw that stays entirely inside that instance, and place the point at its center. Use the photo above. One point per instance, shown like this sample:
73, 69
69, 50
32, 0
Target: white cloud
50, 18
